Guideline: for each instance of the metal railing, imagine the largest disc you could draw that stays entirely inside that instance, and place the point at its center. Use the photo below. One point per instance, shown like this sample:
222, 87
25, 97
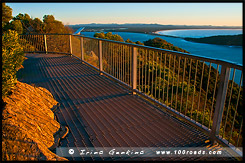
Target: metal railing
205, 92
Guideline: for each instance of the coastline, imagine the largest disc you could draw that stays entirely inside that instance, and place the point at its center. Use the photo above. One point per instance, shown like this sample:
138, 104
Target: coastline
227, 40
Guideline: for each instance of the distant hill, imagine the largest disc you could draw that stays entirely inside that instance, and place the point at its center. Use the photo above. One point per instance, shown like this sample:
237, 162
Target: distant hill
234, 40
142, 28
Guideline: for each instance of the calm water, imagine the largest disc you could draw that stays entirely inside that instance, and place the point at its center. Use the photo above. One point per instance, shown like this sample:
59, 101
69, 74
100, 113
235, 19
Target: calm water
228, 53
198, 33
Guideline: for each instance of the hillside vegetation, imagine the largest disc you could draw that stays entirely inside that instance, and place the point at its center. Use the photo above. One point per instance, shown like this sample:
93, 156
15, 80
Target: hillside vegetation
235, 40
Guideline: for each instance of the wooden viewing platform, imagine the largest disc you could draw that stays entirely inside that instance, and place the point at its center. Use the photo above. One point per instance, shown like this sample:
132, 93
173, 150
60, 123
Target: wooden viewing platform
101, 113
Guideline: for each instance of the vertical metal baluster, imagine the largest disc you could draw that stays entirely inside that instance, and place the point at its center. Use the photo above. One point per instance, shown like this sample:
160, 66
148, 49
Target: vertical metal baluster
111, 58
236, 109
188, 85
145, 68
173, 84
121, 62
70, 44
130, 68
134, 51
216, 78
114, 58
111, 54
183, 79
107, 56
115, 55
81, 46
169, 61
177, 86
200, 91
30, 39
152, 73
100, 56
138, 70
192, 103
228, 107
239, 134
119, 66
155, 95
164, 66
125, 63
127, 68
117, 60
142, 67
149, 60
160, 77
39, 42
45, 44
204, 108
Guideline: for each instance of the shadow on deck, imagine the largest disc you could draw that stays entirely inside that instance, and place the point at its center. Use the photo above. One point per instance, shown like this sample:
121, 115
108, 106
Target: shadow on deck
101, 113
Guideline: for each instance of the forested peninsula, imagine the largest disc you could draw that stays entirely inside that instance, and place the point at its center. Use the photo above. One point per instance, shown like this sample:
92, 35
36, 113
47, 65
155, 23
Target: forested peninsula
234, 40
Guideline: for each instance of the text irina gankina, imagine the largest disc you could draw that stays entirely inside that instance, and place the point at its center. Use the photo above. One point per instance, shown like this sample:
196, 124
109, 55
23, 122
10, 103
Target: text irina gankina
111, 152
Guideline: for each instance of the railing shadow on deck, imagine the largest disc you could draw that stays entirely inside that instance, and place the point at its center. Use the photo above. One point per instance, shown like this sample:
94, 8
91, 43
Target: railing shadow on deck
199, 90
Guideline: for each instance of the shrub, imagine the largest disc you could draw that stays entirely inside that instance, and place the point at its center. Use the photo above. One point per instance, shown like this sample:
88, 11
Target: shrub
12, 59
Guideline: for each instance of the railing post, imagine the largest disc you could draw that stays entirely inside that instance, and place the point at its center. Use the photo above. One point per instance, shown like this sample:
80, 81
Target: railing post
134, 70
45, 44
82, 53
100, 57
70, 45
220, 101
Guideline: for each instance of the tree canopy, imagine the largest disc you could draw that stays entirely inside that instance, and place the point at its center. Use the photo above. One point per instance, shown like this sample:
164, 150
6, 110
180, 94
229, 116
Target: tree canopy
24, 24
109, 36
160, 43
6, 16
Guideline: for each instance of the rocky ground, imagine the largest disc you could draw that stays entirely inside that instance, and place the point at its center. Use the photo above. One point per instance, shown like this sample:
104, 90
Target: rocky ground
29, 128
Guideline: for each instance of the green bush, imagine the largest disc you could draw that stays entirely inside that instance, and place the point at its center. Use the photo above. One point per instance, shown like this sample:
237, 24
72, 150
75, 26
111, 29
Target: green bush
12, 59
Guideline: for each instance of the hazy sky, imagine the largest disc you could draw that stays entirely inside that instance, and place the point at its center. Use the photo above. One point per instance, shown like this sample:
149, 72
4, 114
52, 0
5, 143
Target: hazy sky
229, 14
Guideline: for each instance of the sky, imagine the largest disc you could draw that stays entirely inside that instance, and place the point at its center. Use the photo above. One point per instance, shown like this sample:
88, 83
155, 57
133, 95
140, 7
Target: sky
216, 14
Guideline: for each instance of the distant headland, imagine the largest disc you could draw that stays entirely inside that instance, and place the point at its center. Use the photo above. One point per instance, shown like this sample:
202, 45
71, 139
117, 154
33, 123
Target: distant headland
142, 28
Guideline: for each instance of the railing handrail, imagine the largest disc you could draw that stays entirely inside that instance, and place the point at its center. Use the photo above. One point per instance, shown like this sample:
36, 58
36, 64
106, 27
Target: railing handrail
177, 53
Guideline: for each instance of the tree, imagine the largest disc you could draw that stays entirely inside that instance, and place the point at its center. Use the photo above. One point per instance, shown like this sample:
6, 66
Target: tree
26, 22
12, 58
54, 26
17, 26
160, 43
139, 43
129, 41
6, 16
38, 25
109, 36
100, 35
